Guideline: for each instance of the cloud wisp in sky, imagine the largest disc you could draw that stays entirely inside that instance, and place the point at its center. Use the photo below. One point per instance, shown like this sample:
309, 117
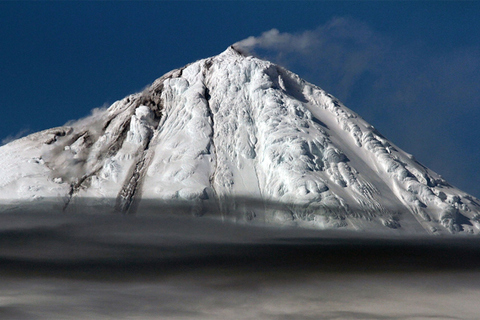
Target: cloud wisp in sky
20, 134
342, 50
424, 99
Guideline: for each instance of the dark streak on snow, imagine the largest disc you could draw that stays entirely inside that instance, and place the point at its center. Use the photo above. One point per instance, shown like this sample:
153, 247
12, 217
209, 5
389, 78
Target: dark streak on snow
129, 196
212, 147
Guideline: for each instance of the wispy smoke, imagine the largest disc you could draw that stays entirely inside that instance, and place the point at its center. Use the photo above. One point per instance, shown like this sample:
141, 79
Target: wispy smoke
71, 165
424, 100
273, 39
22, 133
337, 53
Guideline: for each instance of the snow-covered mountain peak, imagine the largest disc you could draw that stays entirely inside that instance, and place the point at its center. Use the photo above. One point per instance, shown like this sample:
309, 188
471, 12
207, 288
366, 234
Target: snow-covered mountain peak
233, 51
241, 136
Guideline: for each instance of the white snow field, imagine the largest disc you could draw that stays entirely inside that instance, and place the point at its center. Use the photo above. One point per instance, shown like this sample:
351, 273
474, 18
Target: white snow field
224, 131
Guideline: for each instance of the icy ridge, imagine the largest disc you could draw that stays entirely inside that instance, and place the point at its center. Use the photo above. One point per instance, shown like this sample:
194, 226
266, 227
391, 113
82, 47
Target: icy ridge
229, 128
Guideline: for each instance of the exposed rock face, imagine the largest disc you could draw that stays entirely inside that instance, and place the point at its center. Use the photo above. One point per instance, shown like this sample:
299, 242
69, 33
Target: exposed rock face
223, 131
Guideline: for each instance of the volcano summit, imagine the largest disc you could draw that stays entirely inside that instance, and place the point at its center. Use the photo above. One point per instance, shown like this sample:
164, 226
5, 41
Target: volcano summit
225, 132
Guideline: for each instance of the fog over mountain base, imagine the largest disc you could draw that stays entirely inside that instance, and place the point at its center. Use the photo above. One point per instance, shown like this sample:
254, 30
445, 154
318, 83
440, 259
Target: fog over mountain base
170, 264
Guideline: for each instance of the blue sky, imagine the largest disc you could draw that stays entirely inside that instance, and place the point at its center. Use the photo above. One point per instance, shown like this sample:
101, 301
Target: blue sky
411, 69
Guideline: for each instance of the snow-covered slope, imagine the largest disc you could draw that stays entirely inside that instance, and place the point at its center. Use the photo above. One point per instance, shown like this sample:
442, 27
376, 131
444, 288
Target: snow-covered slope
222, 132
